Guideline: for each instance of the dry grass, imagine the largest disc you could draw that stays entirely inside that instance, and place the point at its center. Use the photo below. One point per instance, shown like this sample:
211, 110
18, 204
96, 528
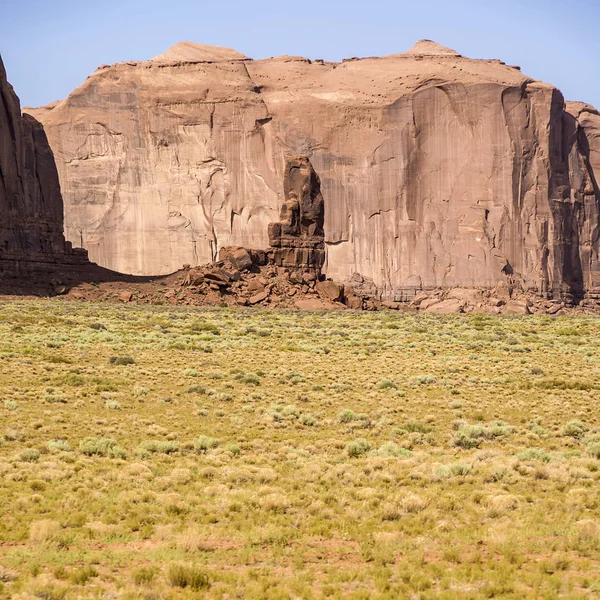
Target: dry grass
154, 452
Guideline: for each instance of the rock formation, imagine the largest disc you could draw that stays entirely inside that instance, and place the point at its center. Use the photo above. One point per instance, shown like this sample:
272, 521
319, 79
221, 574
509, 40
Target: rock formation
297, 239
31, 208
437, 170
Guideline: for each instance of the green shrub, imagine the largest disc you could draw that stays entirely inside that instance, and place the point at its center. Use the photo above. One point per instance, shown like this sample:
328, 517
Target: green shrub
11, 405
121, 360
534, 454
83, 575
29, 455
185, 576
196, 389
575, 429
386, 384
113, 405
205, 443
159, 446
358, 447
346, 416
392, 449
61, 445
144, 575
101, 447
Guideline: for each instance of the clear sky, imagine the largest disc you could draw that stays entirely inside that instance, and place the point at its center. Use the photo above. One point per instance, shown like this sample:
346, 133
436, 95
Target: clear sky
50, 46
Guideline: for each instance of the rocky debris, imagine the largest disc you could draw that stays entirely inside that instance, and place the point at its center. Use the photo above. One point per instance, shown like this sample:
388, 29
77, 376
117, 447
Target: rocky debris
31, 206
297, 240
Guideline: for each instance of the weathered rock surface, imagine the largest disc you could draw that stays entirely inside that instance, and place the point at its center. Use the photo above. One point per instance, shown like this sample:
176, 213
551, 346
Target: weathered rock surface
437, 171
31, 208
297, 239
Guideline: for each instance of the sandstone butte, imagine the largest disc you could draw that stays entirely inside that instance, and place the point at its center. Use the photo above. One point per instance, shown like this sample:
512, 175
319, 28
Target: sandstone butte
436, 170
31, 207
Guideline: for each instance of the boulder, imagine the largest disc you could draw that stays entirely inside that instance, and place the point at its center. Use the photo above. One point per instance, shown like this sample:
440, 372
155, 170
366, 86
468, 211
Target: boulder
428, 302
391, 305
239, 257
309, 304
257, 298
126, 296
255, 286
218, 277
517, 307
445, 306
354, 302
329, 290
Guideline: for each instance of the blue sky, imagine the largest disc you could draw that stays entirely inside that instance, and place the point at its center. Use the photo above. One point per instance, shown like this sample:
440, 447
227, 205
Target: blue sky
50, 46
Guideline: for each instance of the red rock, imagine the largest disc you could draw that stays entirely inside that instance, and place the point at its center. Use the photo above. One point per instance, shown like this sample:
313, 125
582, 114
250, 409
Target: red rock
329, 290
260, 297
125, 296
239, 257
445, 306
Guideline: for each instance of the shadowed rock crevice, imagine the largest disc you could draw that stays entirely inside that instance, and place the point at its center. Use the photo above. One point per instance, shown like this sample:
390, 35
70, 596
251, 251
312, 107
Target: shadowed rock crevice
31, 206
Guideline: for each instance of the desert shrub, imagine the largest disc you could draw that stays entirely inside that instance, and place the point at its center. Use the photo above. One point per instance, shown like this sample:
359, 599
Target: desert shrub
113, 405
308, 419
11, 405
29, 455
60, 445
188, 576
534, 454
575, 429
234, 449
159, 446
416, 427
453, 470
392, 449
190, 373
121, 360
50, 591
91, 446
144, 575
83, 575
346, 416
386, 384
358, 447
196, 389
471, 435
422, 380
205, 443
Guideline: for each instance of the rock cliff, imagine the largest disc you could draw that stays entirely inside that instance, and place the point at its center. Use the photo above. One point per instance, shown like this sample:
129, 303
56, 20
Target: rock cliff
436, 170
31, 207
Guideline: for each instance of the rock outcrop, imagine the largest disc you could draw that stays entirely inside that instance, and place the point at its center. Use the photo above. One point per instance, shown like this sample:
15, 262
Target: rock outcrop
31, 207
437, 170
297, 240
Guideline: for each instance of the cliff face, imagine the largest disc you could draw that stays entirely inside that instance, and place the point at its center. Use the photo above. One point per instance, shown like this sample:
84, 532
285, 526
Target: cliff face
31, 207
435, 169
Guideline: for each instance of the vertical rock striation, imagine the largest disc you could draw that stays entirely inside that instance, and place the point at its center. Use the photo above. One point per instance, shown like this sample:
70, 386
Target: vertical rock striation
436, 170
31, 207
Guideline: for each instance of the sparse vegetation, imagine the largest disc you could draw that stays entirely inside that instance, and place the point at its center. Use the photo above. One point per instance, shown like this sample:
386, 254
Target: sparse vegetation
234, 457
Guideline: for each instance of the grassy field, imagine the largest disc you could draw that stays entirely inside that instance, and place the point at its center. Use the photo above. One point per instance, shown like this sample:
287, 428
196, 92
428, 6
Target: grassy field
174, 453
